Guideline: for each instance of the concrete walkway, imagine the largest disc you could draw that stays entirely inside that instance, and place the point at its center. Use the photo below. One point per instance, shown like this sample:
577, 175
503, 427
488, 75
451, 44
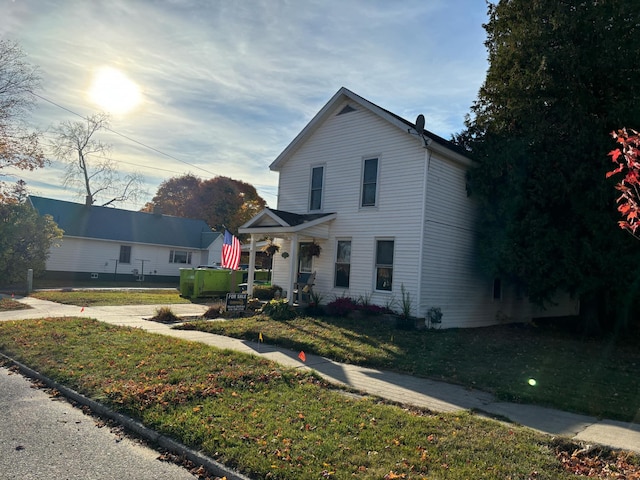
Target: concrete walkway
405, 389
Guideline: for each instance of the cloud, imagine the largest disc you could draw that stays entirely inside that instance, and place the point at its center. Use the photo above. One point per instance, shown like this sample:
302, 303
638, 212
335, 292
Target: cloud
227, 85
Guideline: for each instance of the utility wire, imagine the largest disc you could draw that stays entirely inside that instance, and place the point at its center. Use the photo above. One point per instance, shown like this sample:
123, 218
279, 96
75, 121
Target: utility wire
125, 136
137, 142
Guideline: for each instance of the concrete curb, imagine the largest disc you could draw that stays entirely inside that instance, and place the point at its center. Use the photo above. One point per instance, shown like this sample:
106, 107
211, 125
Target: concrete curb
147, 434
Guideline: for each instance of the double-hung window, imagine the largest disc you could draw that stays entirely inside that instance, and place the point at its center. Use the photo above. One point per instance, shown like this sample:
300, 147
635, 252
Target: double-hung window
343, 264
180, 256
369, 182
125, 254
384, 265
315, 195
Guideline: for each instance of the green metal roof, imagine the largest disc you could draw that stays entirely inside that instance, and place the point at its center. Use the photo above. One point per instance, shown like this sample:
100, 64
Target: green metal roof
107, 223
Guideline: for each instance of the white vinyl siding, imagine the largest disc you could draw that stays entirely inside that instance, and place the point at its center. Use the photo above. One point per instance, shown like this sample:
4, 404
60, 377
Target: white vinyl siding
89, 255
342, 143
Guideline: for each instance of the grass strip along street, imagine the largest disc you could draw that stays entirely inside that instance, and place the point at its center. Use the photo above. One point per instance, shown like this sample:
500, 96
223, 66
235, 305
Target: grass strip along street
98, 298
517, 363
266, 420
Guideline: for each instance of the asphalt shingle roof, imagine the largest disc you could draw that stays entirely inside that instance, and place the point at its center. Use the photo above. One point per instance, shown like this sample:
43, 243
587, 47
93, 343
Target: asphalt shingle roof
106, 223
294, 219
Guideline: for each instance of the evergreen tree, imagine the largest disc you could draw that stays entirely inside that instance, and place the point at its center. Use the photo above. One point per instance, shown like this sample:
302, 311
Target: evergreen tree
562, 75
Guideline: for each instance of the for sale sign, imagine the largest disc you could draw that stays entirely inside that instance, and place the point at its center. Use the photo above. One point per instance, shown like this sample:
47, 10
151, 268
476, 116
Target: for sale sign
236, 302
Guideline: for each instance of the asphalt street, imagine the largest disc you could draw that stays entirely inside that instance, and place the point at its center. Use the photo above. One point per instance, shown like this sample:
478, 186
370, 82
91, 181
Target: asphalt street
45, 437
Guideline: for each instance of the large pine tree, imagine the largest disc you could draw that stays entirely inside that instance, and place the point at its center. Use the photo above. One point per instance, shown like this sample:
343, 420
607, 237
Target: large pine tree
562, 75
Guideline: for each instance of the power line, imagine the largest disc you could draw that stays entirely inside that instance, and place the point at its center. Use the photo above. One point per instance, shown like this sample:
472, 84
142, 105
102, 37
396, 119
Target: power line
141, 144
125, 136
257, 185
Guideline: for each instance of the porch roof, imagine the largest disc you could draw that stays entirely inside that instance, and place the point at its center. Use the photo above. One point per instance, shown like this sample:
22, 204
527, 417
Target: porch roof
271, 221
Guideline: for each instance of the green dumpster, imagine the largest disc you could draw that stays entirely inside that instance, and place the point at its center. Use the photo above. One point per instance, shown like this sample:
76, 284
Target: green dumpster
209, 282
187, 276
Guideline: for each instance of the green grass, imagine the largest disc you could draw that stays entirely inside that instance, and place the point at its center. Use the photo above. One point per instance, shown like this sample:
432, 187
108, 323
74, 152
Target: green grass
598, 377
89, 298
266, 420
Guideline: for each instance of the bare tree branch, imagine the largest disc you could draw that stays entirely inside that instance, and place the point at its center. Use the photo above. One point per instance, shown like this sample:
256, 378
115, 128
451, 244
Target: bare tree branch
88, 166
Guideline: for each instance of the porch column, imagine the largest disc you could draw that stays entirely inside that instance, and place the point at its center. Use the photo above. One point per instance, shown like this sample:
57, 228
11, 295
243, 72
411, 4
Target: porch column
293, 267
252, 265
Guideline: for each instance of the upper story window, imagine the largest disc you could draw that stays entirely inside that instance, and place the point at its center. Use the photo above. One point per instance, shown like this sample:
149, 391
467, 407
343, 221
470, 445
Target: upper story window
125, 254
179, 256
369, 182
315, 195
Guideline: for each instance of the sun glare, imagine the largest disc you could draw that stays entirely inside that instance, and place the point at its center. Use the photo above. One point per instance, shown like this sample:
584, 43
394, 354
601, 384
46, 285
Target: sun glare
113, 91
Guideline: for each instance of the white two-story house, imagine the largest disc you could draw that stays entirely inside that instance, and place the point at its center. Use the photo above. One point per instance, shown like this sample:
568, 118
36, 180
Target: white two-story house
386, 201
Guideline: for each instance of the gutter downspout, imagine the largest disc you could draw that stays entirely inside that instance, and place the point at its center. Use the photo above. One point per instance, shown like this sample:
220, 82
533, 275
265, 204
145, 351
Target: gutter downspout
427, 162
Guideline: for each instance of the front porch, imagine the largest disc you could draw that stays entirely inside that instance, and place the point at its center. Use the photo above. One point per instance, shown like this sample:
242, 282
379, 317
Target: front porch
295, 234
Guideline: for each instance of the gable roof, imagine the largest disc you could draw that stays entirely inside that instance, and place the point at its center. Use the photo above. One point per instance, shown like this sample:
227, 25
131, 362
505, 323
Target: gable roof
435, 142
278, 221
106, 223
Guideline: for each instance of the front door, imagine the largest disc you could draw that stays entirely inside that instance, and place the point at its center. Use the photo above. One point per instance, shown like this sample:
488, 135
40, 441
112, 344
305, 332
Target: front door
305, 261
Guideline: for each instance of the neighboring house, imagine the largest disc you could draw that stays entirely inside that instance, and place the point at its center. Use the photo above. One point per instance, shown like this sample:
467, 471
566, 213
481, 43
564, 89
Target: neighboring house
105, 243
389, 208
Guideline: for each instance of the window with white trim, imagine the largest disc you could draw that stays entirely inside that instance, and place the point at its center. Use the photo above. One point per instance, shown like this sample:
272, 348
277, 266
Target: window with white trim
343, 264
384, 265
369, 182
315, 192
180, 256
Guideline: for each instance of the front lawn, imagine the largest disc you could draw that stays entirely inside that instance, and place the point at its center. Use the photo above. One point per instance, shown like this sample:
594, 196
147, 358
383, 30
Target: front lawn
269, 421
88, 298
519, 363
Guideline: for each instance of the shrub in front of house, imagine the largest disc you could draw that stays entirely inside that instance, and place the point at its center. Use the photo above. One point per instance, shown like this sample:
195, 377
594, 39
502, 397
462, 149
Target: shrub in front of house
264, 292
214, 311
278, 310
341, 307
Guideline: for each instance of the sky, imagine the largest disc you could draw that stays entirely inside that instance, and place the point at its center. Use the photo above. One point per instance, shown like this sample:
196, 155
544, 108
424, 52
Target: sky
221, 87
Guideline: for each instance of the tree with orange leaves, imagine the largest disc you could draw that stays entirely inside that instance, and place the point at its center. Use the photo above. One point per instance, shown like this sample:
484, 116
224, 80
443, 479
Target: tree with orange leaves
627, 159
19, 145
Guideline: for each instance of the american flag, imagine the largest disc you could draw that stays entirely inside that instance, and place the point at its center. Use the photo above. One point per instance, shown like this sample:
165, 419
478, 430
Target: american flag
230, 251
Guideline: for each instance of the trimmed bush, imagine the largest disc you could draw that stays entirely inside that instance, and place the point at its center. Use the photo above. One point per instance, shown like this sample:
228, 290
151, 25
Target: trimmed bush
279, 310
265, 292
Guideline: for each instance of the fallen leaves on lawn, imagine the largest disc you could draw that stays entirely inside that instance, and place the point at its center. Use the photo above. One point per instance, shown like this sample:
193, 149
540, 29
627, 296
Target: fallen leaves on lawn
598, 463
